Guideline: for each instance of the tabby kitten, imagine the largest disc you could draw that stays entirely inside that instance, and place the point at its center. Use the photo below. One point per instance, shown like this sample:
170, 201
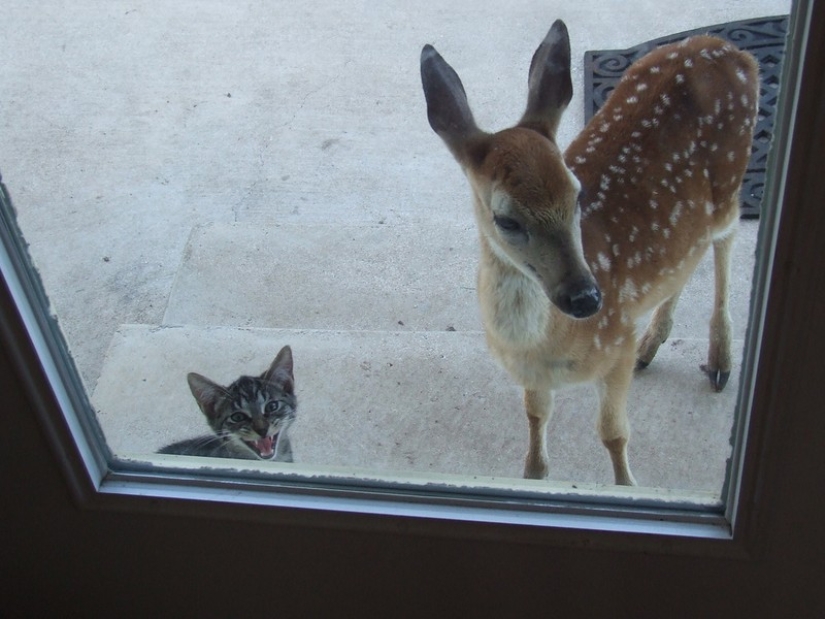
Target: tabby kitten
250, 418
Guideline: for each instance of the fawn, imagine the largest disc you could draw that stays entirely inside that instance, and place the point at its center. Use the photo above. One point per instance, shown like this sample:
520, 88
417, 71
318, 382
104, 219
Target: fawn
575, 247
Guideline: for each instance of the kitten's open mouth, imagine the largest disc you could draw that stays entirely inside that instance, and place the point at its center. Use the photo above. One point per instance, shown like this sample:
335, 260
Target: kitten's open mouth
265, 447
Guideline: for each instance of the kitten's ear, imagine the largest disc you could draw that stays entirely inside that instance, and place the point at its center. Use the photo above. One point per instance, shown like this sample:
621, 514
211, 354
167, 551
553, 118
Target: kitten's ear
280, 372
206, 393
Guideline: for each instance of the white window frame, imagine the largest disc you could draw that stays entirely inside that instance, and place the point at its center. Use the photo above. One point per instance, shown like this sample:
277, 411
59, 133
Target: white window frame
32, 339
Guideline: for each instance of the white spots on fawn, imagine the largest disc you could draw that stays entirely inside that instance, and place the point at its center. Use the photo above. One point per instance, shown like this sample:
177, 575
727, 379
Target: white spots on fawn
672, 55
628, 292
615, 250
636, 134
666, 232
709, 207
655, 69
665, 98
604, 127
680, 78
646, 123
646, 287
688, 63
706, 54
740, 74
597, 342
731, 156
632, 99
580, 159
744, 99
604, 183
634, 233
676, 213
669, 166
641, 86
653, 204
604, 261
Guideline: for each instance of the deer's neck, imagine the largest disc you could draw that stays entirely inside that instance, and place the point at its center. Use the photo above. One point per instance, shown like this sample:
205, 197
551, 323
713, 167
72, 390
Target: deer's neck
514, 307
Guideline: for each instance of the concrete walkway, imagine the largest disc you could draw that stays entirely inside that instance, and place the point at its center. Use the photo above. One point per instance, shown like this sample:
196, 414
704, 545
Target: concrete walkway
202, 182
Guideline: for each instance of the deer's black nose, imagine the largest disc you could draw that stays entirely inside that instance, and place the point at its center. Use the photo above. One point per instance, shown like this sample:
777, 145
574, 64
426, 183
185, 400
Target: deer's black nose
581, 299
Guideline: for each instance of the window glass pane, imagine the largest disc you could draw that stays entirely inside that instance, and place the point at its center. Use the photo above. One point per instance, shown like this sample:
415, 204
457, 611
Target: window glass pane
202, 184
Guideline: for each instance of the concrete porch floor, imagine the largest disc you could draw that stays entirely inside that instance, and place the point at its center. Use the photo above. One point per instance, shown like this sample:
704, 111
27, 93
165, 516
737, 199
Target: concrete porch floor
201, 183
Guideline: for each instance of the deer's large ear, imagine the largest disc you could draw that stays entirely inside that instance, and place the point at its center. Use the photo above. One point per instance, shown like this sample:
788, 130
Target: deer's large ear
447, 108
550, 86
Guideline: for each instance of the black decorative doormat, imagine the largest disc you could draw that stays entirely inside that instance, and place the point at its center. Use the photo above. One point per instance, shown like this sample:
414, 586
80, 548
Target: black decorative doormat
763, 37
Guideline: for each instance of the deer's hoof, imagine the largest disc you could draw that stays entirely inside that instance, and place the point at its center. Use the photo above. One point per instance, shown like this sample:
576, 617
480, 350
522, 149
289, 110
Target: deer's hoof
718, 378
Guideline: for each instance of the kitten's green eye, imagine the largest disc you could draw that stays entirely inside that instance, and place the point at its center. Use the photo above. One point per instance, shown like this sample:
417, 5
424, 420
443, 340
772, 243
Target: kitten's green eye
272, 406
238, 417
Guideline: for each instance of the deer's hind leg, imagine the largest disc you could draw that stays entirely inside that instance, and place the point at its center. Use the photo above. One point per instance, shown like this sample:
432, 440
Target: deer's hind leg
657, 331
719, 352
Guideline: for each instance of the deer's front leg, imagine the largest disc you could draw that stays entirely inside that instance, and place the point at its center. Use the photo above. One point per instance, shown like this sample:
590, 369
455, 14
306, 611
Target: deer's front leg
539, 407
613, 426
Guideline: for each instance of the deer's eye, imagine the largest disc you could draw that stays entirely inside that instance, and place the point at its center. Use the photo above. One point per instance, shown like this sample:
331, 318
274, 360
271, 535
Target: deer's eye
507, 224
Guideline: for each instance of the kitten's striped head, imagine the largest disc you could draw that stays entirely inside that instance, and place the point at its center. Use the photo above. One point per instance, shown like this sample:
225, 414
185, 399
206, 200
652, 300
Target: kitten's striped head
254, 411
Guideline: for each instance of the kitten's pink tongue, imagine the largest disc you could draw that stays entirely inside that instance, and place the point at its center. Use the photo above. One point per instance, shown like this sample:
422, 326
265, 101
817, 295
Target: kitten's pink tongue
264, 446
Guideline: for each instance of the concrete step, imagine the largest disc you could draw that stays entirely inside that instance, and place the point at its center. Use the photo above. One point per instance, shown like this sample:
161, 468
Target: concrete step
376, 277
416, 402
328, 276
